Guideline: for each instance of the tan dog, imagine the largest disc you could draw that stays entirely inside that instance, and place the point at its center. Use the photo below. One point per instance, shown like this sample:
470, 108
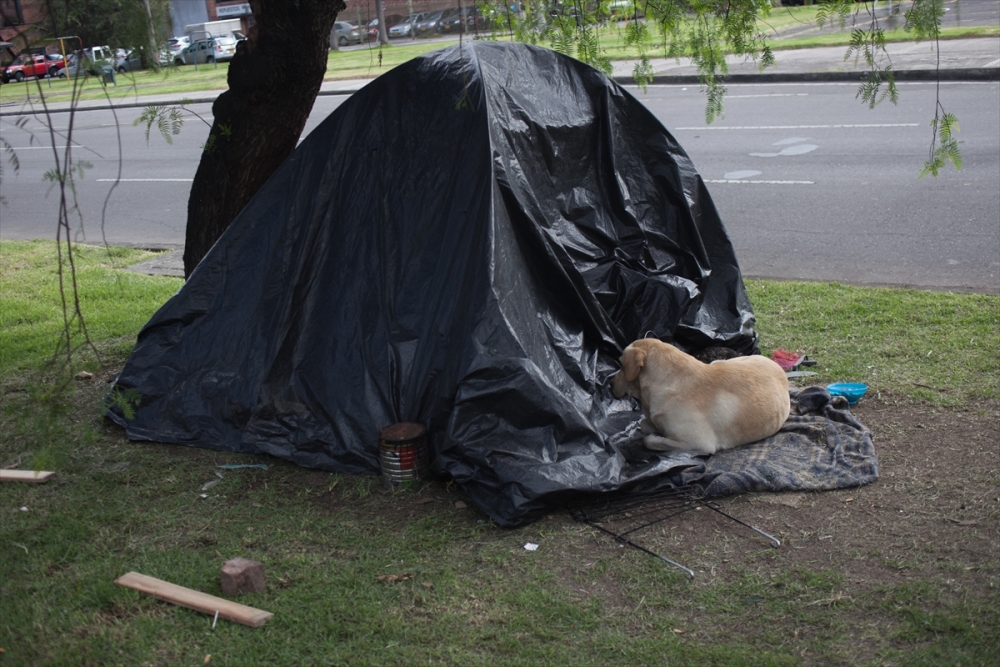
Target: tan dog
701, 408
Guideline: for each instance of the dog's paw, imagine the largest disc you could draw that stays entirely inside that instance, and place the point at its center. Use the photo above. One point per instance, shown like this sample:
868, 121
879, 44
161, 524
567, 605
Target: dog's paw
660, 444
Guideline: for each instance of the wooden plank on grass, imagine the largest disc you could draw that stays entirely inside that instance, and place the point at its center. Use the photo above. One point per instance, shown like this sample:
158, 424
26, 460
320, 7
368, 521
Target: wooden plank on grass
34, 476
196, 600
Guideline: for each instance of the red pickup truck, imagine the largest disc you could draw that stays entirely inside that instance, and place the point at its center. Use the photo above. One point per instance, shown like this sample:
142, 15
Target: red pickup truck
25, 66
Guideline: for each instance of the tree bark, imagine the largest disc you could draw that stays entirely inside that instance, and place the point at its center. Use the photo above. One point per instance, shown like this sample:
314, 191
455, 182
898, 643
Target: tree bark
383, 30
150, 60
273, 81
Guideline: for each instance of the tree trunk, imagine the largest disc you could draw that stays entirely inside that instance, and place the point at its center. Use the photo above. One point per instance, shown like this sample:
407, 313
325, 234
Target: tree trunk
383, 29
152, 62
273, 81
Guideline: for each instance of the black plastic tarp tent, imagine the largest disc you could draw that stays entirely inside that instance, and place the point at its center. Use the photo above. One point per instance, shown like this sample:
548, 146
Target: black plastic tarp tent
468, 242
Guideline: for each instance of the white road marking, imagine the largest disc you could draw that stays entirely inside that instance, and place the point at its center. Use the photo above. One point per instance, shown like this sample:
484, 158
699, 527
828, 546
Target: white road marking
795, 149
731, 180
796, 127
144, 180
730, 97
43, 148
46, 128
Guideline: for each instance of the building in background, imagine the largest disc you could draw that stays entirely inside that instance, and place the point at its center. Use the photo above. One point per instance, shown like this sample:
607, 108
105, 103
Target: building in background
21, 26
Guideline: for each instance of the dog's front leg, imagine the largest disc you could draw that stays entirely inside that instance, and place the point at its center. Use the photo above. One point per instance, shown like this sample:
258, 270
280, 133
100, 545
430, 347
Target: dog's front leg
646, 426
662, 444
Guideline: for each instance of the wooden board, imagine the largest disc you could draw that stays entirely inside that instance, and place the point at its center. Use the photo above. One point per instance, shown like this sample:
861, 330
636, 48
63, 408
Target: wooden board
196, 600
34, 476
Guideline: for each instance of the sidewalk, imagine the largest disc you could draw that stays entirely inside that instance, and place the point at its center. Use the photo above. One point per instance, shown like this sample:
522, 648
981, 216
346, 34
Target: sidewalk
974, 59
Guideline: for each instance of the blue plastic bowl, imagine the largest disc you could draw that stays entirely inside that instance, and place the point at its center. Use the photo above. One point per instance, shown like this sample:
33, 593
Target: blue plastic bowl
852, 391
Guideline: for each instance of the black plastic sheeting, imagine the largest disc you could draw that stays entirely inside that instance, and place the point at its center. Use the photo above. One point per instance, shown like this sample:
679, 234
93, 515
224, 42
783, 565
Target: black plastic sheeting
469, 242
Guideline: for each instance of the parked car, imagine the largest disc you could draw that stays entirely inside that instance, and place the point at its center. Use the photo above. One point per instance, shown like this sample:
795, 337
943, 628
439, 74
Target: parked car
90, 60
470, 18
177, 44
213, 49
74, 66
83, 61
371, 30
28, 65
430, 24
405, 27
621, 9
127, 61
228, 44
344, 33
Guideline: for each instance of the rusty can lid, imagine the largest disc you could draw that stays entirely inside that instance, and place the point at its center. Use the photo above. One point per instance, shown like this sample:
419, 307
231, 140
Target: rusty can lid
402, 432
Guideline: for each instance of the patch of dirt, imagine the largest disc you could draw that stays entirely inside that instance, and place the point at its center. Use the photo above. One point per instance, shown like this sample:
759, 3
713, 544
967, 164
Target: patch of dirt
923, 537
935, 508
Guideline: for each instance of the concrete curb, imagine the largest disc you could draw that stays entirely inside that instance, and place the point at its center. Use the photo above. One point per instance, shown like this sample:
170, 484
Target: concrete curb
168, 264
84, 106
960, 74
142, 104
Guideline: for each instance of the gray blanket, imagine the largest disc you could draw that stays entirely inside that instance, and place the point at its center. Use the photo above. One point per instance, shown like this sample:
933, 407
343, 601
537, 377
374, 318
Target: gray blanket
821, 446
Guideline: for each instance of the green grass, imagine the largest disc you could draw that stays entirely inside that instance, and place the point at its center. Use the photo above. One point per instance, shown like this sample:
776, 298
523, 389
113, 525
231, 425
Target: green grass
186, 80
115, 302
613, 40
937, 346
894, 36
474, 595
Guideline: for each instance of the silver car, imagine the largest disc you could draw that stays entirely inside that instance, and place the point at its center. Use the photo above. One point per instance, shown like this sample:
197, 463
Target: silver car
405, 28
214, 49
127, 61
177, 44
344, 33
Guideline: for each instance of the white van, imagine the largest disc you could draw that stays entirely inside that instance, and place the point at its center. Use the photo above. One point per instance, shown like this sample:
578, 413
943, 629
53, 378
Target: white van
89, 61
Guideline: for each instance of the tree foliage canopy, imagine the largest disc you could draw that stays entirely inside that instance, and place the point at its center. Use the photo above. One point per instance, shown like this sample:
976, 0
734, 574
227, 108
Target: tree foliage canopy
707, 31
117, 23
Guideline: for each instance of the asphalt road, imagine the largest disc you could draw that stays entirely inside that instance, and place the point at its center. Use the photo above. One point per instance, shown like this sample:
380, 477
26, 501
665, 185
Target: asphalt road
809, 182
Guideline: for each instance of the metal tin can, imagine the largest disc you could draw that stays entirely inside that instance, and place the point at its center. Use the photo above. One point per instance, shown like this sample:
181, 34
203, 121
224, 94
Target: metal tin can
403, 452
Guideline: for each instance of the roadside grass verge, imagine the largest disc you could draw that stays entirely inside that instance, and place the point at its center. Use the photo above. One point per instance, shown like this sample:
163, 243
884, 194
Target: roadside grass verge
115, 303
893, 36
373, 61
183, 80
935, 346
612, 40
358, 574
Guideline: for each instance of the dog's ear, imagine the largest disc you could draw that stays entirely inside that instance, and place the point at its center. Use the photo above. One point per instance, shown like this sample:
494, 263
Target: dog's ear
632, 362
